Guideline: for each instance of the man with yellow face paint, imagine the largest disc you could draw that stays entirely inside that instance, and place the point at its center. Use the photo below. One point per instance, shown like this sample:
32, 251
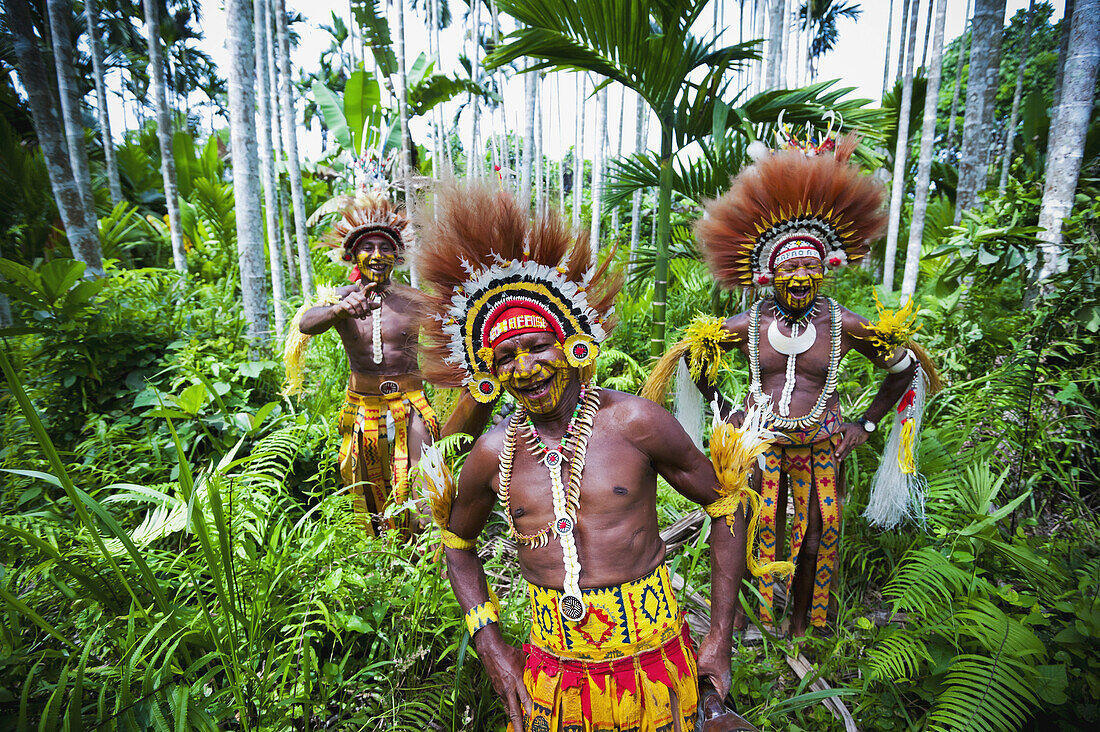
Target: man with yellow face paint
785, 220
386, 419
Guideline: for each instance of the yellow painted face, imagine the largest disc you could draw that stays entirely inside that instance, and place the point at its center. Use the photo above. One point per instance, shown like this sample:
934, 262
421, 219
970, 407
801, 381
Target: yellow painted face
376, 256
797, 282
533, 368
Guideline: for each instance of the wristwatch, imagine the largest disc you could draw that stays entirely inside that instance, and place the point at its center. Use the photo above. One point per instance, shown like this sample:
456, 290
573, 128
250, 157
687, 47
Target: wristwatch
867, 425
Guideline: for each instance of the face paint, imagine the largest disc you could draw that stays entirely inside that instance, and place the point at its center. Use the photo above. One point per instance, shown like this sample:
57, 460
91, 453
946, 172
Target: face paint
376, 257
536, 374
797, 283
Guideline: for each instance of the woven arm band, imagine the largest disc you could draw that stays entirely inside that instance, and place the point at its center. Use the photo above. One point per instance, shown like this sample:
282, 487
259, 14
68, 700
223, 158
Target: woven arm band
452, 540
481, 615
724, 506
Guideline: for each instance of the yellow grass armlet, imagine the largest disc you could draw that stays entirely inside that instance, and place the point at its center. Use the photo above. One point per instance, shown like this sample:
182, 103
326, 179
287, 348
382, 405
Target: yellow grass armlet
294, 350
452, 540
727, 505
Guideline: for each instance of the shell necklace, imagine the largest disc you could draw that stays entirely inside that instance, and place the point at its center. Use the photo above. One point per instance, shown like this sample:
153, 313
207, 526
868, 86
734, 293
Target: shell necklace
791, 346
566, 499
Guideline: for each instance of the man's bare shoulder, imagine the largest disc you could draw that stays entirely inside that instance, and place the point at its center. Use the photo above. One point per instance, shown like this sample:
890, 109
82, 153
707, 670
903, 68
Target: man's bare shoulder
489, 445
738, 325
633, 413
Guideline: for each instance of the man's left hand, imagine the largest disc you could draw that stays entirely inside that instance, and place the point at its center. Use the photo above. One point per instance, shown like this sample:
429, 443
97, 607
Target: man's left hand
850, 436
714, 663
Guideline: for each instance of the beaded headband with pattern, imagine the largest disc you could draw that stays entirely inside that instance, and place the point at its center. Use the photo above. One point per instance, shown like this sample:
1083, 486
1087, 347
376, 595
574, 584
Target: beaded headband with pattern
367, 214
790, 200
481, 256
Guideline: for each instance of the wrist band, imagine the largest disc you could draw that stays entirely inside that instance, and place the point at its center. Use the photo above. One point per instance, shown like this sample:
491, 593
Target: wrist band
452, 540
481, 615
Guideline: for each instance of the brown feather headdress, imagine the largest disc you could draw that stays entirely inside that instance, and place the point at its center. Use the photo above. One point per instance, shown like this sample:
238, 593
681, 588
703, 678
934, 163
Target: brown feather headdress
367, 213
480, 255
820, 201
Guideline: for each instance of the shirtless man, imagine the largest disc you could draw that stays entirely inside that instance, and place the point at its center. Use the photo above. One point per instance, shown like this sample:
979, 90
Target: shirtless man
386, 417
575, 471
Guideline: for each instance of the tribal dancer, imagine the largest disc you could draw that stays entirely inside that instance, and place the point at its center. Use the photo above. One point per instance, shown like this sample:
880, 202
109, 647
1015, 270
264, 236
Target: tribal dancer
519, 306
786, 220
386, 417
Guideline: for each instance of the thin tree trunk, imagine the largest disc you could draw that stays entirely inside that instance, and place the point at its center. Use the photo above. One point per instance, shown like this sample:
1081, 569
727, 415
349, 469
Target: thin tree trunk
578, 155
905, 12
164, 132
1017, 93
927, 36
985, 61
636, 203
784, 72
530, 90
599, 159
82, 234
473, 162
924, 161
1063, 51
664, 216
114, 187
1068, 128
71, 117
618, 154
541, 185
294, 283
246, 173
966, 36
290, 142
775, 43
262, 17
901, 150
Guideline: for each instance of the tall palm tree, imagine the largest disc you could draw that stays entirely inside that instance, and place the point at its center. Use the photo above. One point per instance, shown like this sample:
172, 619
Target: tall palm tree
648, 47
403, 107
261, 15
158, 84
60, 13
924, 159
1017, 93
1063, 51
293, 280
290, 147
578, 153
526, 169
91, 19
81, 232
599, 158
473, 158
821, 19
1068, 128
886, 63
901, 150
967, 34
640, 133
981, 88
246, 169
775, 43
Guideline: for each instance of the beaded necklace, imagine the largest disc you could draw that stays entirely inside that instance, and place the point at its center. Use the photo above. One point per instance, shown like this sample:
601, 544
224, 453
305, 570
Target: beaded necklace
566, 499
780, 421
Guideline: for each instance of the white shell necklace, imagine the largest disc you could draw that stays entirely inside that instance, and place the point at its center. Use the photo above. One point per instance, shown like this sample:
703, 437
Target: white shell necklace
790, 346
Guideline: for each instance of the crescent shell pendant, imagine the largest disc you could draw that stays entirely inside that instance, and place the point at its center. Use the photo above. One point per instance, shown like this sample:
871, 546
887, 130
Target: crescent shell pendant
791, 346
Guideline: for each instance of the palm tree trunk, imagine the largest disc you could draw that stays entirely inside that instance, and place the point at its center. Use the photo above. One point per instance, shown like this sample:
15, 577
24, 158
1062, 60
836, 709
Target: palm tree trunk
1068, 128
578, 155
598, 160
985, 64
886, 63
924, 163
966, 36
473, 159
290, 143
246, 174
905, 12
262, 20
618, 154
59, 13
526, 170
927, 36
542, 185
664, 216
82, 234
901, 150
1017, 93
293, 282
1063, 51
164, 132
636, 203
114, 187
775, 43
785, 70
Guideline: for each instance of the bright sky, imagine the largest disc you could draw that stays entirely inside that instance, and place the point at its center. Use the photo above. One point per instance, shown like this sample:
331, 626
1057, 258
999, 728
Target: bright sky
857, 61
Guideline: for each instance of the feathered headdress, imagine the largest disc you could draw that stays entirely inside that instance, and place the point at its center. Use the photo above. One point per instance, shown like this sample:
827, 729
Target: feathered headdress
367, 213
491, 271
786, 199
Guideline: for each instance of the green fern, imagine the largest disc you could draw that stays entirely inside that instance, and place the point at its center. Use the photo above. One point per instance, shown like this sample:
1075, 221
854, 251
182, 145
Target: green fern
984, 693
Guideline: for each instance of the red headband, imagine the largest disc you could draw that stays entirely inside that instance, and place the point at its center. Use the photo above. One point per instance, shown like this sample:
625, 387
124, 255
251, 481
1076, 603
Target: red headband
513, 319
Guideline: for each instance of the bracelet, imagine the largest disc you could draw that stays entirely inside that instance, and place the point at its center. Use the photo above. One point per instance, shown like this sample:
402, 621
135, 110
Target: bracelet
452, 540
902, 364
481, 615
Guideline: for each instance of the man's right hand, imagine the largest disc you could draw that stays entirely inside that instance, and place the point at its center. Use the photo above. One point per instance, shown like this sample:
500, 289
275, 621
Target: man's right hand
357, 304
504, 664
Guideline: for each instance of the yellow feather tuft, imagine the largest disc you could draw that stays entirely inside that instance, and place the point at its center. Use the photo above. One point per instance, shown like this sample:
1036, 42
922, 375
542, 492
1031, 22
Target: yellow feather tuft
294, 350
894, 329
704, 343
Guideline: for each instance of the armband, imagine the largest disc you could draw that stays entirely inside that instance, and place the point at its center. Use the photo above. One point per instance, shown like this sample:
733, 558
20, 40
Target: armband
724, 506
903, 363
481, 615
452, 540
